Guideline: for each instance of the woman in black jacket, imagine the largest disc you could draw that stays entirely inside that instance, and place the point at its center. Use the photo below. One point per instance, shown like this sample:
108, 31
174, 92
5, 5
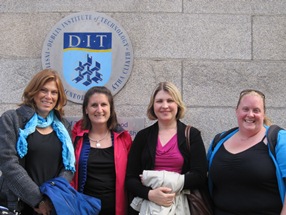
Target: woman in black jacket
162, 146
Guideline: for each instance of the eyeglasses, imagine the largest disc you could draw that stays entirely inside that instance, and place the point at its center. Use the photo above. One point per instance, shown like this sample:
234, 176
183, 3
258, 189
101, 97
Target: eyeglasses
247, 91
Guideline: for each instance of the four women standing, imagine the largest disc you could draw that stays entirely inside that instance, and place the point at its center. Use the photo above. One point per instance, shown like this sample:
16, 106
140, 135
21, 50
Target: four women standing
242, 174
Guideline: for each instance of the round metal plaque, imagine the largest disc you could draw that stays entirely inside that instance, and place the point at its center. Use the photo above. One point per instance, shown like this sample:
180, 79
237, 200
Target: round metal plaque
88, 49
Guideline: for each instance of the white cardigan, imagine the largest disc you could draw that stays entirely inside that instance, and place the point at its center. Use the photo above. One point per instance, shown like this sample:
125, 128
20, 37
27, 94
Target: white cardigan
155, 179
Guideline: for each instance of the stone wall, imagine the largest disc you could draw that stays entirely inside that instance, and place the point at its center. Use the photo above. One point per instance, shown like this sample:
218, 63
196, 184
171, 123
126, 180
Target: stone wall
210, 49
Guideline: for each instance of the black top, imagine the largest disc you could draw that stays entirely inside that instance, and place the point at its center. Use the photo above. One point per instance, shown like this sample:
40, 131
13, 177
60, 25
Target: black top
245, 183
44, 158
100, 182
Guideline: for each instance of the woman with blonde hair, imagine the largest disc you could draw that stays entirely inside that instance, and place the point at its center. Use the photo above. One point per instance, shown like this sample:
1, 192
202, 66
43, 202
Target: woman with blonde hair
163, 147
245, 177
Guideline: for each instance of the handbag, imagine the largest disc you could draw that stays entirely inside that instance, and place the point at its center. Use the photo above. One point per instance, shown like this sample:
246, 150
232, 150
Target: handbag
199, 199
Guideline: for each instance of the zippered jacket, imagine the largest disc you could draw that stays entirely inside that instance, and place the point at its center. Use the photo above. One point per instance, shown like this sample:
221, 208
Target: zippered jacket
122, 144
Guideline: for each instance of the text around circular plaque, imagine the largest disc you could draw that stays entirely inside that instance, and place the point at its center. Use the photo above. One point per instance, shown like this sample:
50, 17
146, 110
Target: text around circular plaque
88, 49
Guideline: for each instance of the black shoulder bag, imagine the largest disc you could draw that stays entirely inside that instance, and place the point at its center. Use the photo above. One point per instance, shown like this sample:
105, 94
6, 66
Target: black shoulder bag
199, 201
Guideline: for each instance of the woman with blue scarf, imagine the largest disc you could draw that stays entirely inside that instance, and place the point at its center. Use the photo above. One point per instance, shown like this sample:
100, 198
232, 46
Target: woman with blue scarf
35, 145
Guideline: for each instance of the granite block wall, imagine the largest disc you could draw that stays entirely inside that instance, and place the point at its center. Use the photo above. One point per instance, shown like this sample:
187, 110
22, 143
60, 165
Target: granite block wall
210, 49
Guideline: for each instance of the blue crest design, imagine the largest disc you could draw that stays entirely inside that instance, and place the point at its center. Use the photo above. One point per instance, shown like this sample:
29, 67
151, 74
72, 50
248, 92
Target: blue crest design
87, 59
85, 72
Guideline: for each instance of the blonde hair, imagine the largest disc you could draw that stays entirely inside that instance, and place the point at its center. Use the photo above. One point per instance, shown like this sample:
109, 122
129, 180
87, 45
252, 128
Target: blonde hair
35, 85
243, 93
175, 94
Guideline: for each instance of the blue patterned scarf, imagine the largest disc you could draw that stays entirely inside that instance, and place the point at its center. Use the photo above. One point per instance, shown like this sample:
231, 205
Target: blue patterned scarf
62, 134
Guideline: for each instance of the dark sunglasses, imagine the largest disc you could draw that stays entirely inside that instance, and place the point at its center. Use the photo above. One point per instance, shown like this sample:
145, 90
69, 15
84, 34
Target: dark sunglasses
247, 91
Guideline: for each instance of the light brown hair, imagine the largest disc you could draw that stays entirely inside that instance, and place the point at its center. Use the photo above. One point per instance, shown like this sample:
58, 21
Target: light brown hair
36, 84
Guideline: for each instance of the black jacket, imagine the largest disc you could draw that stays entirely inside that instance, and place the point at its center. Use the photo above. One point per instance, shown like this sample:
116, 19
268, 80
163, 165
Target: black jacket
142, 157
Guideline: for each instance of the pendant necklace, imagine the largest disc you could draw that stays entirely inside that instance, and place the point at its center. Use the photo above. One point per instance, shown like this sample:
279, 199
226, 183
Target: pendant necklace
98, 145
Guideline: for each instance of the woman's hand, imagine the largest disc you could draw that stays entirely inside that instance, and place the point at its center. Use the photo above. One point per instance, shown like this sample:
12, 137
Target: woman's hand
162, 196
45, 207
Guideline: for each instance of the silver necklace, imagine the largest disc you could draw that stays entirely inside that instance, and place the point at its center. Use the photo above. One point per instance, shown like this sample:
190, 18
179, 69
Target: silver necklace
98, 145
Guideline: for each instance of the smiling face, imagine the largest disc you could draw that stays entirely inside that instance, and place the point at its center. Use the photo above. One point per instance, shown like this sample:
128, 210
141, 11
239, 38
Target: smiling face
165, 108
46, 99
98, 109
250, 112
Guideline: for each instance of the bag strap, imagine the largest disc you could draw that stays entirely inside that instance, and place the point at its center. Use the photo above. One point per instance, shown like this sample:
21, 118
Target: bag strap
187, 135
271, 136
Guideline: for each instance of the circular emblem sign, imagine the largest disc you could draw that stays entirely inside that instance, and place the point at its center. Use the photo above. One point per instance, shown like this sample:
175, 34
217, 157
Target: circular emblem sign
88, 49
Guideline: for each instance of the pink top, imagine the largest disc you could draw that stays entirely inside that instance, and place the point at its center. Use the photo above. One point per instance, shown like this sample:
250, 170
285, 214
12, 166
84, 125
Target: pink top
168, 157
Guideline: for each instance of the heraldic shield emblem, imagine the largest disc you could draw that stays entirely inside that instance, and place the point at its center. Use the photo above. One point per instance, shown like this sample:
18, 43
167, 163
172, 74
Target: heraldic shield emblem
87, 59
